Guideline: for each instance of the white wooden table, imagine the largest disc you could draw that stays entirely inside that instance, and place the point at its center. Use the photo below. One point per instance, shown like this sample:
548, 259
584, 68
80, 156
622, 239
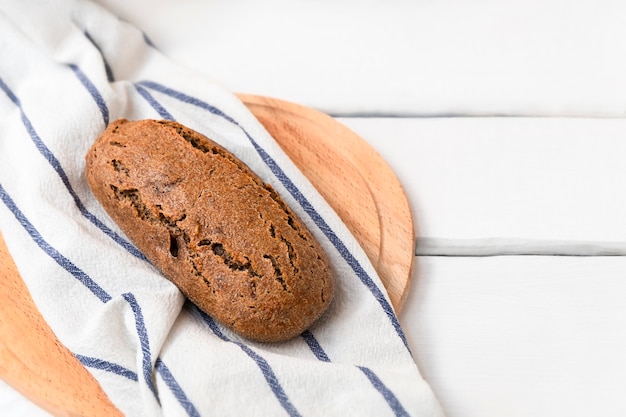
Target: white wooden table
517, 306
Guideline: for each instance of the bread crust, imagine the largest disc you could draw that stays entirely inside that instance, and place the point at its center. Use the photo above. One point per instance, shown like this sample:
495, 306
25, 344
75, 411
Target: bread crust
201, 216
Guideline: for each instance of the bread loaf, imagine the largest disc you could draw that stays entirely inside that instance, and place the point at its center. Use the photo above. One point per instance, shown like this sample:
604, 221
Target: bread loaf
225, 238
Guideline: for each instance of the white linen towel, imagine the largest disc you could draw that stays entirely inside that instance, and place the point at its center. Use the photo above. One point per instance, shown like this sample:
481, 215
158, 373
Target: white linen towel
69, 68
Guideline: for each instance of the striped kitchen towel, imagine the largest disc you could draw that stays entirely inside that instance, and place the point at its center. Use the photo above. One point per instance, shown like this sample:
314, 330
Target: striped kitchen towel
68, 69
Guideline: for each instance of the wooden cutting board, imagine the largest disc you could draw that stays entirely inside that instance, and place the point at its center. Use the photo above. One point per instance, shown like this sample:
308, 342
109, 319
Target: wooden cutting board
348, 173
354, 179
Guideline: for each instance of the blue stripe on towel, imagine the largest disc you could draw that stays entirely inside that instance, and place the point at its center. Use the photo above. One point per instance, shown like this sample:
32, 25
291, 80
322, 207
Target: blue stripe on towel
107, 67
315, 346
185, 98
155, 104
56, 165
302, 200
389, 396
148, 41
178, 392
65, 263
143, 340
263, 365
95, 94
106, 366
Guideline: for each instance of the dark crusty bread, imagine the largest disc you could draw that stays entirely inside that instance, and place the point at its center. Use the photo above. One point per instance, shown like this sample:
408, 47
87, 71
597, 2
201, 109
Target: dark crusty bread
211, 226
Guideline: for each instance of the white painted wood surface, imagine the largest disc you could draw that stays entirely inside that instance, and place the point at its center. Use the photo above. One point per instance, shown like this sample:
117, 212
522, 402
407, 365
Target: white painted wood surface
520, 336
515, 335
481, 185
531, 57
495, 336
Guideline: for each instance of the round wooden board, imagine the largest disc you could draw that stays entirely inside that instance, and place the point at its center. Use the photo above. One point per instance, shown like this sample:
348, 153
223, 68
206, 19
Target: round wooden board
351, 176
354, 179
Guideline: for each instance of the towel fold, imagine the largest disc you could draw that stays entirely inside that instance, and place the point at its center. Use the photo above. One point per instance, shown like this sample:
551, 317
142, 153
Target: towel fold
69, 68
